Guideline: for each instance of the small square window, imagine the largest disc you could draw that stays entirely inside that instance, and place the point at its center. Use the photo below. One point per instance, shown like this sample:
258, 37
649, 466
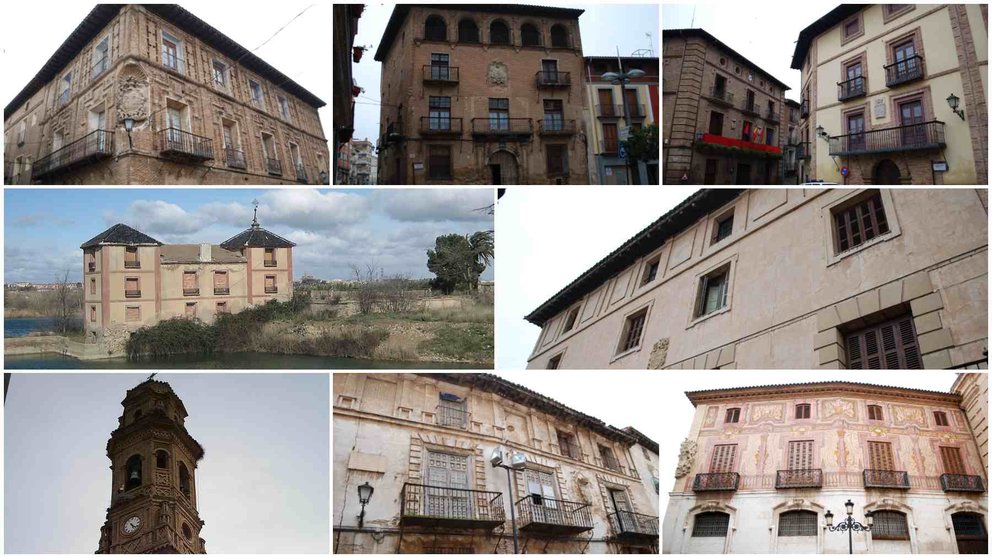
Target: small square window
713, 291
651, 270
570, 319
733, 415
555, 362
859, 220
940, 417
632, 330
132, 314
723, 227
874, 412
802, 411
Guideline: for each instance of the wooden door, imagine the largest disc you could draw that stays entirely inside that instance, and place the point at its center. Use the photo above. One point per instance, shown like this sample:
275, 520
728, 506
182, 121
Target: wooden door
610, 138
606, 105
970, 533
447, 492
911, 118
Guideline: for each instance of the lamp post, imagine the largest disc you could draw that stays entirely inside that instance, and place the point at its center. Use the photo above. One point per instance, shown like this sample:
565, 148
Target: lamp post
518, 462
953, 101
129, 125
849, 524
364, 495
622, 78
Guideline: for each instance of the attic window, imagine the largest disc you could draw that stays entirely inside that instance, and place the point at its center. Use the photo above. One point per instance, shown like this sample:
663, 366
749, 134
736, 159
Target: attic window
570, 319
651, 270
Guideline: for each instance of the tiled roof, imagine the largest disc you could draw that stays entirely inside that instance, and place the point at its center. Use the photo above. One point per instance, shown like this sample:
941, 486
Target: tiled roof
190, 253
813, 30
121, 234
255, 237
816, 387
642, 438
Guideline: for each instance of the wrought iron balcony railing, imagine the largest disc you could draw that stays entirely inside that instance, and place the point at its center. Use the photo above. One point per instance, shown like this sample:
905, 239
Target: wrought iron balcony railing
608, 147
556, 127
713, 482
721, 96
132, 293
451, 416
222, 290
180, 144
440, 126
804, 109
538, 514
911, 137
609, 111
235, 158
271, 290
961, 483
132, 264
803, 150
174, 63
273, 166
904, 71
438, 506
569, 449
750, 107
440, 74
94, 146
632, 526
799, 478
772, 115
270, 263
554, 79
880, 478
636, 111
191, 292
852, 88
502, 127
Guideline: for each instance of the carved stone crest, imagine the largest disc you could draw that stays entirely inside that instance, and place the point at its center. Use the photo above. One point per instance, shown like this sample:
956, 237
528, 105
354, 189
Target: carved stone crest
132, 93
658, 354
687, 458
498, 74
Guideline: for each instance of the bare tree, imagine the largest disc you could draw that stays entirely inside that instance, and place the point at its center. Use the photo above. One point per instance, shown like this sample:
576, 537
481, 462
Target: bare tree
65, 307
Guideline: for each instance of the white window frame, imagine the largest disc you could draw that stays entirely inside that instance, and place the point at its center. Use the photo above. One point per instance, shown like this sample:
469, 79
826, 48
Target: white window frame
21, 132
622, 332
180, 52
225, 74
65, 89
731, 265
94, 59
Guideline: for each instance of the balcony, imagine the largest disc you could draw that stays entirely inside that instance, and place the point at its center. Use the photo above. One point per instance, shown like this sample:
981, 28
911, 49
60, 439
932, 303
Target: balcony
609, 111
301, 173
92, 147
451, 416
269, 263
961, 483
235, 158
904, 71
609, 147
569, 449
852, 88
132, 293
191, 292
502, 128
440, 75
880, 478
772, 115
912, 137
271, 290
179, 144
556, 127
715, 482
633, 528
803, 150
273, 166
440, 126
715, 143
540, 515
799, 478
222, 291
438, 506
804, 109
720, 96
553, 79
636, 112
751, 107
132, 264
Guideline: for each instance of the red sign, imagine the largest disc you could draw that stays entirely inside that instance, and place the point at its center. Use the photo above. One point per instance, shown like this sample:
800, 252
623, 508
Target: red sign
731, 142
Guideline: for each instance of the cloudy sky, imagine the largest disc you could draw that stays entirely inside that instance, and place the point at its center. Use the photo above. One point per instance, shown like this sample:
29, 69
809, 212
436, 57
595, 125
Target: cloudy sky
25, 50
554, 236
603, 29
392, 228
262, 485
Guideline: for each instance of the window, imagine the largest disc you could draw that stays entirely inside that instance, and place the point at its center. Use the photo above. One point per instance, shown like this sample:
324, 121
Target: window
21, 132
190, 286
733, 415
746, 130
439, 67
554, 115
221, 286
435, 29
609, 459
859, 221
172, 52
712, 291
892, 11
270, 284
567, 445
257, 95
651, 270
439, 162
749, 101
802, 411
851, 28
184, 485
101, 58
190, 310
131, 257
940, 417
92, 286
874, 412
799, 523
632, 329
132, 314
161, 459
499, 114
723, 228
801, 455
283, 106
270, 257
269, 149
66, 88
541, 486
891, 345
92, 313
770, 136
557, 160
716, 123
554, 363
724, 458
220, 74
499, 33
570, 319
889, 525
132, 288
187, 533
559, 36
132, 472
880, 456
439, 110
452, 410
951, 458
529, 35
711, 524
710, 173
468, 31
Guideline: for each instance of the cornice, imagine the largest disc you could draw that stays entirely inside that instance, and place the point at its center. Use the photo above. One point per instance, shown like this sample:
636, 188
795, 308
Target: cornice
819, 389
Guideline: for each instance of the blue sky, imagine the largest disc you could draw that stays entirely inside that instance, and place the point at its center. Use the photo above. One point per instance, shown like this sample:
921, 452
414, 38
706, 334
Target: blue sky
262, 486
393, 228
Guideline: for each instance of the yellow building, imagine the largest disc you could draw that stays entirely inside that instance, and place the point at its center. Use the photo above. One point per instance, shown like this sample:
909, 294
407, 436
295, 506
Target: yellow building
896, 94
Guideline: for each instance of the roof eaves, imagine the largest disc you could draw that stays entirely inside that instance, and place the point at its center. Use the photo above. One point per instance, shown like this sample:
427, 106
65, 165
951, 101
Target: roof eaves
813, 30
699, 396
698, 32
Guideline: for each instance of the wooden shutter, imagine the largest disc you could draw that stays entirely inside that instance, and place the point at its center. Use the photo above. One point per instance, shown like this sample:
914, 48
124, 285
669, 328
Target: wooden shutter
952, 460
802, 411
860, 223
880, 456
891, 345
940, 417
800, 455
723, 458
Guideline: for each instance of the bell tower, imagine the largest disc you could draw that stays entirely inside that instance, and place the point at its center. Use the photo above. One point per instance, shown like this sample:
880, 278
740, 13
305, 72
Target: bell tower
153, 490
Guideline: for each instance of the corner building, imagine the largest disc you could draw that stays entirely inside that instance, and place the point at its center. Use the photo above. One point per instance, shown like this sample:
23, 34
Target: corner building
204, 109
762, 465
482, 94
423, 442
877, 79
784, 278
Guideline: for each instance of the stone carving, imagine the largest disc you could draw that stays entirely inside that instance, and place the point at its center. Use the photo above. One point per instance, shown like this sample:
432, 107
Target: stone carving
658, 354
165, 513
582, 487
687, 457
132, 94
498, 74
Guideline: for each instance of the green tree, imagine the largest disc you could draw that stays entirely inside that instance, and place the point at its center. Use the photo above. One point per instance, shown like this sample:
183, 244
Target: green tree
457, 261
642, 144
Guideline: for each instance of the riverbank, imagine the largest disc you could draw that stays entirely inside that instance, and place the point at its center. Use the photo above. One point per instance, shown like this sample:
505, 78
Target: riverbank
226, 361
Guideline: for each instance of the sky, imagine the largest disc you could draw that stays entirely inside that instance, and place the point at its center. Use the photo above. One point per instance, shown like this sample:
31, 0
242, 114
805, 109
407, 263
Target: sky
603, 28
746, 27
332, 229
554, 238
25, 48
262, 486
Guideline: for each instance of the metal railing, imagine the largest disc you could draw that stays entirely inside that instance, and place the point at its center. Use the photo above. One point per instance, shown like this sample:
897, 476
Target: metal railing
553, 79
422, 503
273, 166
451, 416
270, 263
99, 67
925, 135
175, 141
804, 109
569, 449
535, 510
721, 95
174, 63
191, 292
502, 126
440, 74
799, 478
235, 158
772, 115
904, 71
553, 127
271, 290
95, 145
132, 293
803, 150
609, 111
132, 265
750, 107
222, 290
961, 483
707, 482
636, 111
880, 478
440, 125
854, 87
627, 522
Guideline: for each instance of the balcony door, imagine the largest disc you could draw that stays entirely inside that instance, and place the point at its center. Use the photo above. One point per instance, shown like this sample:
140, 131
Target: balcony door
98, 123
906, 63
625, 521
716, 123
447, 492
856, 132
543, 503
439, 67
549, 69
911, 119
610, 138
606, 107
880, 456
174, 122
951, 457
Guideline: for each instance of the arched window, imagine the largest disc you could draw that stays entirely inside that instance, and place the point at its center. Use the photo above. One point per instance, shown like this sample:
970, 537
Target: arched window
529, 35
711, 524
132, 472
799, 523
184, 479
889, 525
499, 33
161, 459
435, 29
468, 31
559, 36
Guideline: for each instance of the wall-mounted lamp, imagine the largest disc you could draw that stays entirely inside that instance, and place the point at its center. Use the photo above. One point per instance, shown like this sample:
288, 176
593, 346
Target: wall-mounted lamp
953, 102
364, 495
129, 125
821, 133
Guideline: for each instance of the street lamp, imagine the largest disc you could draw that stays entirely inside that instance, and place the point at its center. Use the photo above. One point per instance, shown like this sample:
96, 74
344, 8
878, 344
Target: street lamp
129, 125
820, 132
953, 101
518, 462
849, 524
364, 495
623, 78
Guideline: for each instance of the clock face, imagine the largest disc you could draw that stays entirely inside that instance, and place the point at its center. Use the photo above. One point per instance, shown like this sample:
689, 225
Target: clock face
132, 525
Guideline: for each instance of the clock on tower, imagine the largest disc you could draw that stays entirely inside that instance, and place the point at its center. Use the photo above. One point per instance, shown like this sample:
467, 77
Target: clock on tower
153, 459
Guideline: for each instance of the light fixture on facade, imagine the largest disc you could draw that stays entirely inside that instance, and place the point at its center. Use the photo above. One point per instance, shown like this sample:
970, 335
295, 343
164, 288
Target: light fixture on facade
364, 495
129, 125
849, 524
518, 462
953, 102
821, 132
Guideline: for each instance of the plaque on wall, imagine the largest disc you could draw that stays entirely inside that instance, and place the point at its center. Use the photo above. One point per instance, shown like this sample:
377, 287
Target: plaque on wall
878, 108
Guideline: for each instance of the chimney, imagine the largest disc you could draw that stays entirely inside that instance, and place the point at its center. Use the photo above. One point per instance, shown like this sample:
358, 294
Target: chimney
205, 253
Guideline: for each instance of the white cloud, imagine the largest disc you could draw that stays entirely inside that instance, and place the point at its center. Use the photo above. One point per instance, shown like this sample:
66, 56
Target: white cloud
448, 204
159, 217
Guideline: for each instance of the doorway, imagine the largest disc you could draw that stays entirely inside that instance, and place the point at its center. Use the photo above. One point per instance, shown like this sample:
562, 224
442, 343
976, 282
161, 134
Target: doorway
502, 168
743, 174
447, 493
886, 173
495, 176
970, 533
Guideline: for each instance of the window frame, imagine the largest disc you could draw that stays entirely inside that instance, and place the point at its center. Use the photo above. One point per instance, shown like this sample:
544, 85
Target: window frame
905, 353
940, 418
718, 221
704, 286
889, 14
179, 56
537, 29
571, 319
808, 527
856, 18
259, 102
649, 274
509, 33
877, 532
710, 530
619, 346
283, 104
881, 412
804, 409
828, 209
560, 168
734, 413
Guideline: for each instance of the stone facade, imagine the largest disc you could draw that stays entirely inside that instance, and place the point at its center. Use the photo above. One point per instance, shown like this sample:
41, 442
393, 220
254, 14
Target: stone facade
855, 87
773, 460
974, 391
503, 113
204, 109
423, 442
363, 163
787, 294
723, 114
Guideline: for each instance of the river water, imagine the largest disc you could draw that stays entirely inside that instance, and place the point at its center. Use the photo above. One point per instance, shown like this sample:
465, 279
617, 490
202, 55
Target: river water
19, 327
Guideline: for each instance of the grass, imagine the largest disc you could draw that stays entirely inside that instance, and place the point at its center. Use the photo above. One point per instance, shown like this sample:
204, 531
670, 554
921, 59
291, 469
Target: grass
472, 342
466, 313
